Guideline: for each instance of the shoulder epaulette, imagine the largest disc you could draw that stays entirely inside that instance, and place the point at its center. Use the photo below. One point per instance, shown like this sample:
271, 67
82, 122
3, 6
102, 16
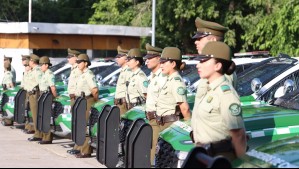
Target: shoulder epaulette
178, 79
225, 88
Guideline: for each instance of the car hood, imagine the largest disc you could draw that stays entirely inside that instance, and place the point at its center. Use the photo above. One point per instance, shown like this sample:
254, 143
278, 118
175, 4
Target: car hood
278, 154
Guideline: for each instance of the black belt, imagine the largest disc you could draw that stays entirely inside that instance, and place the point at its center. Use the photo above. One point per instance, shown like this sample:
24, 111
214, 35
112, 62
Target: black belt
218, 147
150, 115
161, 120
120, 101
32, 93
86, 97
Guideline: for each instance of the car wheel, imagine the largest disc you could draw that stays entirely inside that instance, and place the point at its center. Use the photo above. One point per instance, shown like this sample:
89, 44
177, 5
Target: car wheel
125, 125
165, 155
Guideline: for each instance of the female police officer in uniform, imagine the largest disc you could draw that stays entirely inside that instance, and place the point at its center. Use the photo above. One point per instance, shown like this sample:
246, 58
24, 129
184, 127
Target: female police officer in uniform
137, 87
48, 80
217, 116
172, 99
86, 83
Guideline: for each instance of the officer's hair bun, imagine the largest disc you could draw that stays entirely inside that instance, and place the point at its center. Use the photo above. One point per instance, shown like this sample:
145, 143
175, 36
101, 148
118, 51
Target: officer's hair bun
231, 68
183, 66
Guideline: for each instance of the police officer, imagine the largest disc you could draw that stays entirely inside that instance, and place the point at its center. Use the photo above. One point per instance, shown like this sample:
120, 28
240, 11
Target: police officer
9, 60
7, 77
87, 84
47, 81
217, 116
29, 129
120, 92
156, 81
210, 32
34, 92
136, 89
74, 76
138, 83
7, 83
172, 99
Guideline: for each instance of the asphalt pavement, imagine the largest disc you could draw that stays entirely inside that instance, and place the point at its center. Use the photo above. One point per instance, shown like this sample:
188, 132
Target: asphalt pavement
17, 152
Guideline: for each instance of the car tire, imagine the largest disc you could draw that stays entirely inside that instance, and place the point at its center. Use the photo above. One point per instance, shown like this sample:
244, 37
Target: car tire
123, 131
166, 156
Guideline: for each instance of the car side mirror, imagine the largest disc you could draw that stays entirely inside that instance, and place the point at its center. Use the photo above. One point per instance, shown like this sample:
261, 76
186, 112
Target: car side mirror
288, 86
113, 80
256, 85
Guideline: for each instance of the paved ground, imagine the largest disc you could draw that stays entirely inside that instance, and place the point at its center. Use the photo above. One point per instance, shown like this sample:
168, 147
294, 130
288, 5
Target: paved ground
17, 152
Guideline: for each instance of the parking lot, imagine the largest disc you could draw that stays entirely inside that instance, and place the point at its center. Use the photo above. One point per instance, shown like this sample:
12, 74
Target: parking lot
17, 152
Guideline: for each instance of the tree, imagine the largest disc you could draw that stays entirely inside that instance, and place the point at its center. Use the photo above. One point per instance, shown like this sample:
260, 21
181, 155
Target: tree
53, 11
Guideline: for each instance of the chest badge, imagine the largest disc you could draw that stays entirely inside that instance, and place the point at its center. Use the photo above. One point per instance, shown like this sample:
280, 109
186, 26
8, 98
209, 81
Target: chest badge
209, 99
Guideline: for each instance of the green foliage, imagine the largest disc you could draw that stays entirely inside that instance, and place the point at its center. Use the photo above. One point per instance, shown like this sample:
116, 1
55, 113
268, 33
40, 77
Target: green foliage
254, 24
53, 11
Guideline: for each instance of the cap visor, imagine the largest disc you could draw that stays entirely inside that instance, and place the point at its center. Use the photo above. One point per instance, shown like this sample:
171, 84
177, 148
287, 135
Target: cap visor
150, 56
198, 35
200, 57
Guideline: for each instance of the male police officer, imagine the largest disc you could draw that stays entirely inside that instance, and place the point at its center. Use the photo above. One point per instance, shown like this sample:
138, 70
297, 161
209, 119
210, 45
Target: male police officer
47, 81
120, 92
9, 60
74, 76
209, 32
156, 82
34, 92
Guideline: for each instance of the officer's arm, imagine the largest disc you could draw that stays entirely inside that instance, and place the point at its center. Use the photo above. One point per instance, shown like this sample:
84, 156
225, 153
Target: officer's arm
53, 90
239, 141
95, 93
185, 110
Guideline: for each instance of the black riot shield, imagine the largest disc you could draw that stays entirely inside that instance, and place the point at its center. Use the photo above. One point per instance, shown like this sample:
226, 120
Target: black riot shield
20, 106
108, 138
198, 158
138, 145
40, 108
44, 117
79, 121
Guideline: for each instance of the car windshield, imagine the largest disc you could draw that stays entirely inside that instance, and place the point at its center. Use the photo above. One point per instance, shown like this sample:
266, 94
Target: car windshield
104, 71
66, 73
289, 101
190, 74
265, 71
58, 66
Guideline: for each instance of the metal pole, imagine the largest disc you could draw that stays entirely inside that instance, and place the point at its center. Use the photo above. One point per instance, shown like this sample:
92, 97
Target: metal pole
30, 11
154, 23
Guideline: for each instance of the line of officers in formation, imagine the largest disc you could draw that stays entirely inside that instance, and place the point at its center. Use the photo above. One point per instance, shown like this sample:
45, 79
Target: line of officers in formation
217, 115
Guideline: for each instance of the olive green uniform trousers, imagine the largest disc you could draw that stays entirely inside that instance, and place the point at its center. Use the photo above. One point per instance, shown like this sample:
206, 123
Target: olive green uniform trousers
33, 107
86, 148
156, 132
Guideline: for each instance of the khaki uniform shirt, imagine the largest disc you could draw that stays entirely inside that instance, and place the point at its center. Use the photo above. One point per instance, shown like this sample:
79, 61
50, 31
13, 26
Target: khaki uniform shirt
85, 83
24, 83
7, 78
74, 76
48, 80
216, 111
137, 86
156, 82
120, 91
33, 78
174, 91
